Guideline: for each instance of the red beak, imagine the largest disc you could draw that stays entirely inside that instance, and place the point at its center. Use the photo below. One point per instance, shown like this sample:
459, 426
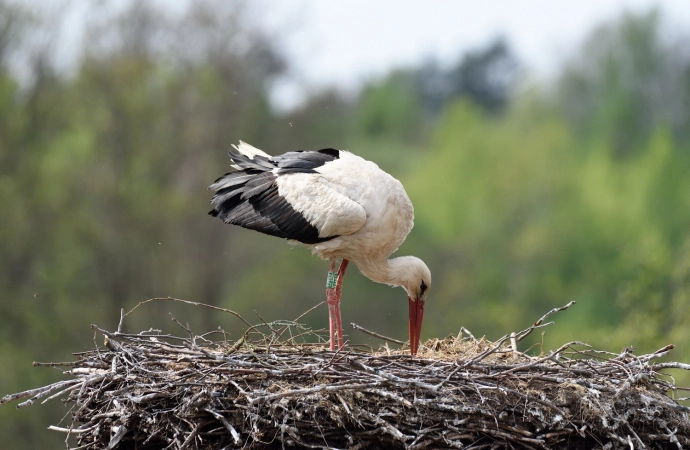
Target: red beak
416, 315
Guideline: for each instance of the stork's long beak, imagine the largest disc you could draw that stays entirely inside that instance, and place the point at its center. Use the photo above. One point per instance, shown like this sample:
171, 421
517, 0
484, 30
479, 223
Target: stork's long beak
416, 315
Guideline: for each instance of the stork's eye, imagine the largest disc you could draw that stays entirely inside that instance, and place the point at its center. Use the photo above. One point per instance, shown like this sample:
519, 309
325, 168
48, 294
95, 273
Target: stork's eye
422, 287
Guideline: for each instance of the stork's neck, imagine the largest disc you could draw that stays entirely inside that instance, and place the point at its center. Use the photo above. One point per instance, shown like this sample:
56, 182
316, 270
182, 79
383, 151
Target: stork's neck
395, 271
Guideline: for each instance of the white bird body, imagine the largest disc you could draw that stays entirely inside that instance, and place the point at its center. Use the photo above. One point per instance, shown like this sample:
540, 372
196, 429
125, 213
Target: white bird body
337, 203
370, 211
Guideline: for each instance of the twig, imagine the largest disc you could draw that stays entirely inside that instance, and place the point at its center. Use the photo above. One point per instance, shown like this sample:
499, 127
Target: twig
525, 333
314, 390
376, 335
122, 318
172, 299
467, 332
233, 432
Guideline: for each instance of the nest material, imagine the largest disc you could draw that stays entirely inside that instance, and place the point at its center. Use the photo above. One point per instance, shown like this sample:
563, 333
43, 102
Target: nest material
152, 391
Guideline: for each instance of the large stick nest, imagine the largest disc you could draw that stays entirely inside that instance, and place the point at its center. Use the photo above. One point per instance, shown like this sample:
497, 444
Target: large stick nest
270, 389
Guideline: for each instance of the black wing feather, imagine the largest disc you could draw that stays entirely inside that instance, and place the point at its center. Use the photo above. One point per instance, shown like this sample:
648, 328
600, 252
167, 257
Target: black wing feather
301, 161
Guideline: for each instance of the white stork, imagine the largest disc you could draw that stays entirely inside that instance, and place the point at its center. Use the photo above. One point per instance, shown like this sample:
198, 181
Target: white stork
340, 205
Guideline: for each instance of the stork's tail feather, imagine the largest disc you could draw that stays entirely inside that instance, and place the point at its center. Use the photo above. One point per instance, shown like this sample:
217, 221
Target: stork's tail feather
257, 163
250, 151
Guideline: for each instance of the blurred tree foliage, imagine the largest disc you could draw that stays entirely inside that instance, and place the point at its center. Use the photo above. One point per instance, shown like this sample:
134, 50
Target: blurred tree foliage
523, 202
487, 76
629, 80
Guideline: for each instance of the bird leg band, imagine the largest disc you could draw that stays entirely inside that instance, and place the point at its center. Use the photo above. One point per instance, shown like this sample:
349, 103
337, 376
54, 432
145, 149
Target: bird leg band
331, 280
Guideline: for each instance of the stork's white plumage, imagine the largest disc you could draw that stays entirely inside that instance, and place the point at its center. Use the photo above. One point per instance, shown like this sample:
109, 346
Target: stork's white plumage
340, 205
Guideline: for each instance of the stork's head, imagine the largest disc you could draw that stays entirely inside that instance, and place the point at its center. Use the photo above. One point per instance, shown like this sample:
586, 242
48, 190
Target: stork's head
417, 282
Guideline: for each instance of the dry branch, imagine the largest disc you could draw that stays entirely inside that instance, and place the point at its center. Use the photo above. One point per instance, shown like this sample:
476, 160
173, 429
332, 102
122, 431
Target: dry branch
152, 390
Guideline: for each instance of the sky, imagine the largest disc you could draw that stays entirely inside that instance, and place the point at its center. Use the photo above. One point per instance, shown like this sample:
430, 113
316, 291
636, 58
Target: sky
345, 42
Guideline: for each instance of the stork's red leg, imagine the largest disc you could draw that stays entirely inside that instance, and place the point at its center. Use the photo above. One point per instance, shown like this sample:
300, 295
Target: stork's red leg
334, 287
333, 305
338, 294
